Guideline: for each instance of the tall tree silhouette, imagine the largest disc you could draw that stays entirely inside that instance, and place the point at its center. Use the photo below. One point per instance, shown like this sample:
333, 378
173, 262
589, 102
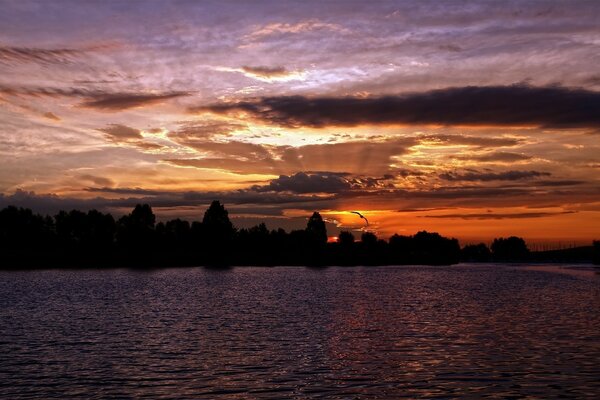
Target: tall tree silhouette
217, 234
315, 240
216, 221
135, 231
316, 228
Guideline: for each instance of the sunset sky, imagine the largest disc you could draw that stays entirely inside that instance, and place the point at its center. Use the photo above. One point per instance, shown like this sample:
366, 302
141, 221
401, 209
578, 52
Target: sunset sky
472, 119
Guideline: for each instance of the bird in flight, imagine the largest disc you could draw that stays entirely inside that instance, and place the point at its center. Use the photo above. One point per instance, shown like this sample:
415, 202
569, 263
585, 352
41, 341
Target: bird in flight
360, 215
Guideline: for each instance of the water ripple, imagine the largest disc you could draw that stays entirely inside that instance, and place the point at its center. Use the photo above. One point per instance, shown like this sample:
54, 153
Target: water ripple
336, 333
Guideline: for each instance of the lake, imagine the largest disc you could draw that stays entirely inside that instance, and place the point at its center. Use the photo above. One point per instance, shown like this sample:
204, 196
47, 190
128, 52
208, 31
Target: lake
293, 332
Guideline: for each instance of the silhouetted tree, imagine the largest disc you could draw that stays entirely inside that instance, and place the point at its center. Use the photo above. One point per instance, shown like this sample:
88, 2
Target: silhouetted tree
476, 253
314, 239
316, 228
368, 239
175, 234
25, 237
510, 249
434, 249
346, 239
217, 234
401, 249
136, 234
84, 235
343, 252
85, 231
300, 248
216, 221
371, 252
253, 246
102, 229
78, 238
71, 227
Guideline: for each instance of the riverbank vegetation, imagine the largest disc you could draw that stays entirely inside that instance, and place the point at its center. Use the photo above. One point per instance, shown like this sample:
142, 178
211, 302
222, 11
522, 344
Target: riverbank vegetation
96, 239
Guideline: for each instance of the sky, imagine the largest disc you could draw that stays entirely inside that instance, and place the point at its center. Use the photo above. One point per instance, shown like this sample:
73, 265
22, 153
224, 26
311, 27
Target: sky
473, 119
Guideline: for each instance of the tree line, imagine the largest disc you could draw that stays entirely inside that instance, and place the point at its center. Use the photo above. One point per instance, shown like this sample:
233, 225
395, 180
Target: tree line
76, 239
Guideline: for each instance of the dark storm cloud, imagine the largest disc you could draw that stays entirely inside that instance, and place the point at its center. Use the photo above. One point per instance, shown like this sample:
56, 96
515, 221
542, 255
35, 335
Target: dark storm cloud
499, 215
517, 105
492, 176
37, 55
498, 156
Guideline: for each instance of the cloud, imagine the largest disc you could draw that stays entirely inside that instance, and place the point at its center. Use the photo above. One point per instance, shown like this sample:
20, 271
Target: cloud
477, 141
94, 99
119, 133
43, 56
51, 116
275, 74
232, 149
305, 183
405, 173
360, 157
227, 164
297, 193
126, 191
280, 28
498, 156
593, 80
560, 183
36, 91
122, 134
499, 215
517, 105
98, 180
123, 101
369, 182
267, 74
52, 203
206, 130
492, 176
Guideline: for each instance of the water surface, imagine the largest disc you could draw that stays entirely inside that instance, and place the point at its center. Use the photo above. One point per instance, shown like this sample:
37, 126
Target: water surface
359, 332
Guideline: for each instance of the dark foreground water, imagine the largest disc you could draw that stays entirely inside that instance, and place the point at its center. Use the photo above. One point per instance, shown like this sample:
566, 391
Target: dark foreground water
364, 333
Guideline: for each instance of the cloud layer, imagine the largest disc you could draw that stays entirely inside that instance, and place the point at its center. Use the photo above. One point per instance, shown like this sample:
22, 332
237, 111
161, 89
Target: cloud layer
280, 109
518, 105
